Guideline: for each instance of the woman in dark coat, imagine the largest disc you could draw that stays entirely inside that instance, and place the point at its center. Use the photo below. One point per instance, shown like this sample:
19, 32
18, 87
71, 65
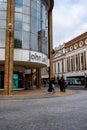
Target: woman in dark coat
51, 86
63, 84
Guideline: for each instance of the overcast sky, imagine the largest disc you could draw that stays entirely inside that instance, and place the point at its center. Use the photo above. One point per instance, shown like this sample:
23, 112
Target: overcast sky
69, 20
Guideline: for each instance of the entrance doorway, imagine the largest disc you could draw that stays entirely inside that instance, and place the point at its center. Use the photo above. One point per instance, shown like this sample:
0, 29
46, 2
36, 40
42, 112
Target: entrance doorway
15, 81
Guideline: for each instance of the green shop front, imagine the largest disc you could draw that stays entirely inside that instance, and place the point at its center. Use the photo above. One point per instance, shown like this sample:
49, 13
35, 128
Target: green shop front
18, 80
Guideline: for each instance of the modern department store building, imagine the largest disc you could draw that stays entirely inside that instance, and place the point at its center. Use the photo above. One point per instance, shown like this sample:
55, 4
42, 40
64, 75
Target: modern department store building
25, 42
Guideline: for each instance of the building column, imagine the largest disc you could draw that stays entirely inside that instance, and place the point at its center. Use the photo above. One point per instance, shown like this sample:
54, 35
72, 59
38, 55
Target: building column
39, 78
84, 60
50, 46
78, 61
9, 49
32, 76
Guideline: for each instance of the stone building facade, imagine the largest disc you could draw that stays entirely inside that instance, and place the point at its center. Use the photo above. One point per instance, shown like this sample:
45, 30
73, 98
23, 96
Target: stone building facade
70, 60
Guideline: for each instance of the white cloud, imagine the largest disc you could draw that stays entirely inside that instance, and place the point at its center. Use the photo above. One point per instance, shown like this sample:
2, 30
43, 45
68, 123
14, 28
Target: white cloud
69, 20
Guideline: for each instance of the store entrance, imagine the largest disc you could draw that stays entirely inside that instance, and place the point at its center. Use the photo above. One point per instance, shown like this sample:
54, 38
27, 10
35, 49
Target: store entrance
1, 80
15, 81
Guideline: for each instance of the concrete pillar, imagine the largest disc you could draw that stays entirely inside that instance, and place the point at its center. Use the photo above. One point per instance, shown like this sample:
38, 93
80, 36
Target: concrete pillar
50, 46
84, 60
32, 81
39, 78
9, 49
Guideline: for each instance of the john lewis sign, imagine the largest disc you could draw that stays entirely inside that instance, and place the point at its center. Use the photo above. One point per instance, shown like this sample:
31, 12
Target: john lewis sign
38, 57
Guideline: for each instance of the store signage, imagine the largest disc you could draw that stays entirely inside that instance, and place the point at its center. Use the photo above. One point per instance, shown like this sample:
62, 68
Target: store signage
38, 57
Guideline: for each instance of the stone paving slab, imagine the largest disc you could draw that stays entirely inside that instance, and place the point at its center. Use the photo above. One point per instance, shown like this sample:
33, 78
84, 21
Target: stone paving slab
34, 94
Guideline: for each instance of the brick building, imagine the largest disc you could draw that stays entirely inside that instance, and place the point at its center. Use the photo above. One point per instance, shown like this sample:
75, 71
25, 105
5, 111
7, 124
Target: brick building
70, 60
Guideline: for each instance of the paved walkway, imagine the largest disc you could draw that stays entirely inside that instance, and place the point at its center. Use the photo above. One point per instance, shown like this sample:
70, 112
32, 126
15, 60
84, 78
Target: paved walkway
34, 94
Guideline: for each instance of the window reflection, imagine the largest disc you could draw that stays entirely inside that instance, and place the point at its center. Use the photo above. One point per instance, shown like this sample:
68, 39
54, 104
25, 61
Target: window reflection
26, 10
2, 24
18, 9
26, 18
19, 2
32, 41
31, 17
17, 43
26, 27
26, 2
3, 15
18, 39
18, 25
3, 8
18, 16
26, 40
2, 37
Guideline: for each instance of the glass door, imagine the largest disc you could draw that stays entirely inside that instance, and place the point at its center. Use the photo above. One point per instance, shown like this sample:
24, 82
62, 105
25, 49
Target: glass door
15, 81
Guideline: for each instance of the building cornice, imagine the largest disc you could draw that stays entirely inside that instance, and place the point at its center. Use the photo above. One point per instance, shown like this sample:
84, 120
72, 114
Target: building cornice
78, 38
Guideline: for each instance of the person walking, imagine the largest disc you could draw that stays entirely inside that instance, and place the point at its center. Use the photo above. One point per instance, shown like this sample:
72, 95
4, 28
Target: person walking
59, 83
51, 86
63, 85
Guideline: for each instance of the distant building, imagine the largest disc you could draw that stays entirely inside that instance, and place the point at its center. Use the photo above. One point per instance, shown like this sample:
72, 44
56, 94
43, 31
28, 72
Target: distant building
70, 60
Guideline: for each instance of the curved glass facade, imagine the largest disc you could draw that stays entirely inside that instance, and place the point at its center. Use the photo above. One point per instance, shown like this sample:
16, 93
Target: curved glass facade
31, 25
3, 10
24, 45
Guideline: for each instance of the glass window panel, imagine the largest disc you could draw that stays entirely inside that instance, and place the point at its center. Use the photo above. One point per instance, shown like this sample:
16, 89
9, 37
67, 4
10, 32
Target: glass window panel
26, 10
33, 4
26, 18
32, 41
18, 25
35, 42
2, 15
17, 43
32, 20
26, 2
26, 39
35, 30
39, 16
39, 6
18, 16
2, 37
39, 40
18, 8
19, 2
26, 27
43, 26
32, 30
33, 12
5, 0
2, 23
3, 6
18, 39
39, 24
18, 35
